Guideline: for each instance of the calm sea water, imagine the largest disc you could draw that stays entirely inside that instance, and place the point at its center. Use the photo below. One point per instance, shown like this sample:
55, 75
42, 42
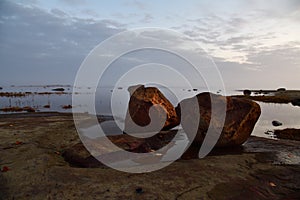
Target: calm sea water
286, 113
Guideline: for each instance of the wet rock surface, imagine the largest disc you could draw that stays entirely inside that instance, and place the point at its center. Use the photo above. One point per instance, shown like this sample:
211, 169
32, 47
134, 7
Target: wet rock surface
259, 169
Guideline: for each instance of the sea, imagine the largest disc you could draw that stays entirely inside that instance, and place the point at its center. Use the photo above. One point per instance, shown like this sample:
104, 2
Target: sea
111, 101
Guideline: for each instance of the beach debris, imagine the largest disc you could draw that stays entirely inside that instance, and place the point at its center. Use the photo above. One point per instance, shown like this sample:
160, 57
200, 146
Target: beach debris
58, 89
5, 169
141, 100
276, 123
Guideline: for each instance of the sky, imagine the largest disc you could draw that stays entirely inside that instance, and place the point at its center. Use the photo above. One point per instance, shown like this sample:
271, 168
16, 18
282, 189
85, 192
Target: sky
255, 44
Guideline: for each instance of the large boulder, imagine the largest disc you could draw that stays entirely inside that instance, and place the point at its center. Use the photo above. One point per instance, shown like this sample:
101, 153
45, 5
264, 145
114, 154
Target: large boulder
241, 116
162, 112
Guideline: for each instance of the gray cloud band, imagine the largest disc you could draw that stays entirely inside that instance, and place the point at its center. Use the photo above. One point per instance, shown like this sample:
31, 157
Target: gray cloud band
201, 67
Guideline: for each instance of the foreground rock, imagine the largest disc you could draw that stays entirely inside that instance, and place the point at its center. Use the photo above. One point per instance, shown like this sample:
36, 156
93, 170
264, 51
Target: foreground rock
289, 133
141, 100
79, 156
241, 116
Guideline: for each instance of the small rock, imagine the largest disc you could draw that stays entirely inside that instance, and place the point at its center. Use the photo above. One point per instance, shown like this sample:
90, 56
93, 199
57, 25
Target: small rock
67, 107
58, 89
276, 123
247, 92
28, 109
269, 132
281, 89
139, 190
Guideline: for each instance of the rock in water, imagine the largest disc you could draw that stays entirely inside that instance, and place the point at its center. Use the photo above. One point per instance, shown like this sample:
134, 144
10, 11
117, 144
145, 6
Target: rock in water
295, 102
241, 116
141, 100
276, 123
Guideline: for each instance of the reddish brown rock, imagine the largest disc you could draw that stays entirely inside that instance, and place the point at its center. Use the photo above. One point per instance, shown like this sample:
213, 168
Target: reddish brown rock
141, 100
241, 116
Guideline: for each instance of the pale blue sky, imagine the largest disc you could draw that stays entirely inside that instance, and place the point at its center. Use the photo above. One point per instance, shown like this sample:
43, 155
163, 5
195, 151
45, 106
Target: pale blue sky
254, 43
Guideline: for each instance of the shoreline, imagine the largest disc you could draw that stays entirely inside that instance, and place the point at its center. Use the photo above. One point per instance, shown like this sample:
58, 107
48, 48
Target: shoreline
32, 148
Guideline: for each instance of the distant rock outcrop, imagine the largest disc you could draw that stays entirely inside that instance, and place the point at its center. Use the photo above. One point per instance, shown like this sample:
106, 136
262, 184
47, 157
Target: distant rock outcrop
241, 116
58, 89
247, 92
146, 101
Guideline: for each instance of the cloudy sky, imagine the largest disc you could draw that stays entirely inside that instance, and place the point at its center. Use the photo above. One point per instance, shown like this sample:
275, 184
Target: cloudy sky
255, 44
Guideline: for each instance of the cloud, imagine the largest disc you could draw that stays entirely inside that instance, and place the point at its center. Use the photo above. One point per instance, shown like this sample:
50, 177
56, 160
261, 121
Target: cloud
74, 2
147, 18
137, 4
48, 46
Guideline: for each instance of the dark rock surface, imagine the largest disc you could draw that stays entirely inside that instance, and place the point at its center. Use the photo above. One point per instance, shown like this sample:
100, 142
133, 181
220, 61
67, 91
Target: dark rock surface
289, 133
295, 102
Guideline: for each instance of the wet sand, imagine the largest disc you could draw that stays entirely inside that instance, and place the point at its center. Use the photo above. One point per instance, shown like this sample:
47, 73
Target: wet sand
31, 155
